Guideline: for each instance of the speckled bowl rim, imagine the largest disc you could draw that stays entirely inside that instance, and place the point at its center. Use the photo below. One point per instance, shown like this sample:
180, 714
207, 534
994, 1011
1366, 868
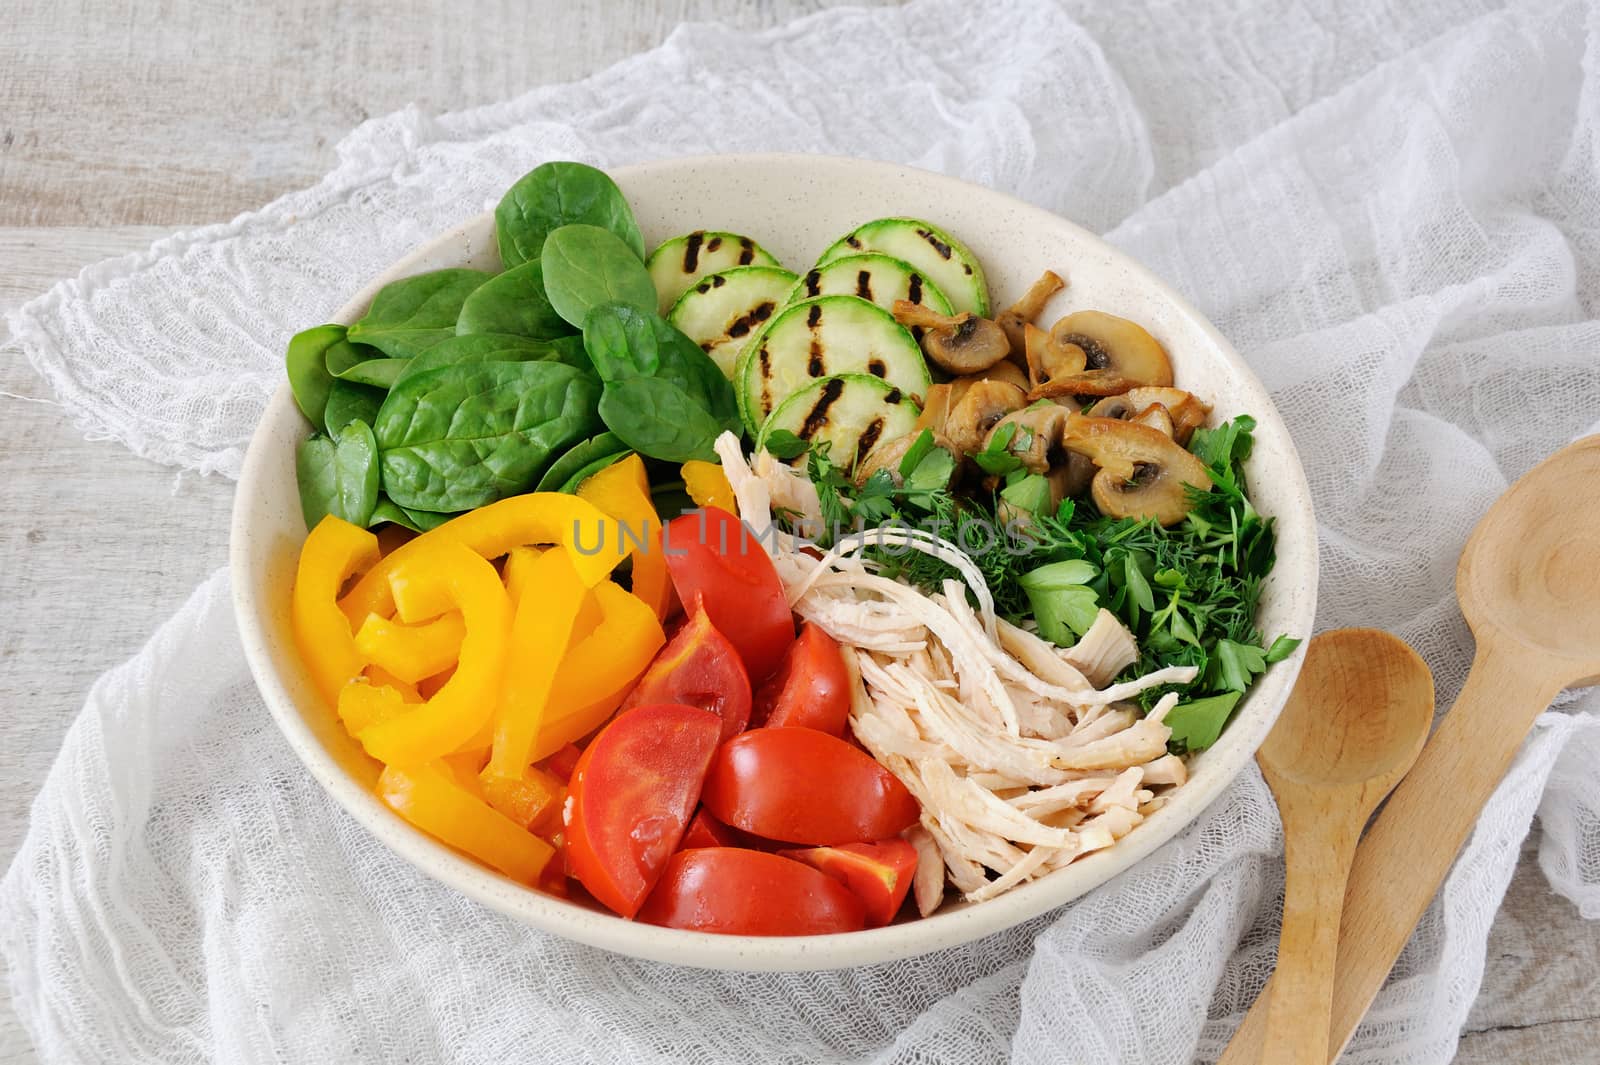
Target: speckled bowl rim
1285, 495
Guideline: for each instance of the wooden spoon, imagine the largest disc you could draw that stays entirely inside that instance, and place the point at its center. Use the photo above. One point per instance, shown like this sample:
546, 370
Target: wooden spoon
1529, 585
1352, 727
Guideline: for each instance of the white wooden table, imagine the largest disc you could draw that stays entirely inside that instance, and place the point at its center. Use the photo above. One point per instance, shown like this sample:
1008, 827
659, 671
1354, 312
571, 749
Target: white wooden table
121, 122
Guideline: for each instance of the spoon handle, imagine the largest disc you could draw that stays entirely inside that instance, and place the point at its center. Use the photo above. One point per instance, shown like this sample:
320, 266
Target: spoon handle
1415, 839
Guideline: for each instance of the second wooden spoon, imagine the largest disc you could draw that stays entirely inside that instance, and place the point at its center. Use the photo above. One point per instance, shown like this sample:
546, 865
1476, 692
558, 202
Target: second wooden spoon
1348, 733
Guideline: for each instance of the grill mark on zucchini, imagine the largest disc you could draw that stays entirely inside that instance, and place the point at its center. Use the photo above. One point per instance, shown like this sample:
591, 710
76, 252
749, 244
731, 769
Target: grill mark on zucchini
747, 251
814, 316
691, 250
765, 358
817, 417
713, 244
914, 287
893, 396
814, 284
877, 368
853, 241
864, 284
869, 437
814, 365
938, 245
741, 326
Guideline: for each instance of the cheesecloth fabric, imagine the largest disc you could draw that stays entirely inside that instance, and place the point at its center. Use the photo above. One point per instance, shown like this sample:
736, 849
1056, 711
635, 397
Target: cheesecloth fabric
1394, 215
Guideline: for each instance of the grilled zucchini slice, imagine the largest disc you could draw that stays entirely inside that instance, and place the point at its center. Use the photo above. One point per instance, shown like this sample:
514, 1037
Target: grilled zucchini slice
681, 261
820, 338
722, 312
873, 276
849, 412
941, 258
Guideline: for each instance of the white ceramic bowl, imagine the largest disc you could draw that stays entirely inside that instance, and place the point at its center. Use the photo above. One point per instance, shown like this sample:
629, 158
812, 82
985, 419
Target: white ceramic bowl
795, 206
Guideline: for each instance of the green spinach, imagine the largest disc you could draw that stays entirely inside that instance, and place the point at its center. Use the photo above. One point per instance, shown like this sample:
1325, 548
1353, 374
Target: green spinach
555, 195
339, 476
307, 366
419, 521
577, 457
513, 303
412, 314
586, 266
663, 397
349, 402
379, 373
495, 347
463, 436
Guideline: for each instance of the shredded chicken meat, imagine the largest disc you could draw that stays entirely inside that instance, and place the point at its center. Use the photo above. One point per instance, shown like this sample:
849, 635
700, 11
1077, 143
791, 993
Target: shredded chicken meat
1024, 757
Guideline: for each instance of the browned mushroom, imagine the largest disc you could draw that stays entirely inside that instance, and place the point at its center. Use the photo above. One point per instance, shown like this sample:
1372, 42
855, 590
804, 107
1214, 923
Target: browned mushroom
1004, 370
1116, 345
888, 453
981, 406
1156, 417
1048, 360
964, 344
1142, 472
1036, 440
1015, 318
1087, 383
1188, 411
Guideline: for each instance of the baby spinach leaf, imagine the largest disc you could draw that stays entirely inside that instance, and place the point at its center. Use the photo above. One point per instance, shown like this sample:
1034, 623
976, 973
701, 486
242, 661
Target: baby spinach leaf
514, 303
659, 419
339, 476
586, 266
1197, 724
554, 195
462, 436
307, 366
576, 458
349, 402
379, 373
342, 356
498, 347
420, 521
412, 314
664, 397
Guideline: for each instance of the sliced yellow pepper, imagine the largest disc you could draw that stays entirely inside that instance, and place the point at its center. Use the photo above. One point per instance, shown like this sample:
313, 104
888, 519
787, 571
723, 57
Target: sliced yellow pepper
531, 800
595, 541
622, 490
430, 797
412, 652
599, 671
383, 678
363, 703
539, 635
516, 571
332, 553
444, 575
708, 486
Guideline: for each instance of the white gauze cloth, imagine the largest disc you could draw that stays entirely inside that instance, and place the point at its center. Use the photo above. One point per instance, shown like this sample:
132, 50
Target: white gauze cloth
1395, 217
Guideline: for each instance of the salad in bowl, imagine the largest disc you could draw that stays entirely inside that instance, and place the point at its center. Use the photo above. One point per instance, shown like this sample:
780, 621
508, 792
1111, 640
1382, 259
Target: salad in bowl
728, 590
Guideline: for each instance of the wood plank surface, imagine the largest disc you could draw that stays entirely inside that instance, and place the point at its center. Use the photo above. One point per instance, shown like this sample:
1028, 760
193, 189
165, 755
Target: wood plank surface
121, 122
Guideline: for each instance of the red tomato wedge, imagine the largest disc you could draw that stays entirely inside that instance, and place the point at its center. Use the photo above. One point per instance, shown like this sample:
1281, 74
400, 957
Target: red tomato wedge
710, 554
811, 688
631, 796
750, 893
698, 667
804, 786
706, 831
879, 874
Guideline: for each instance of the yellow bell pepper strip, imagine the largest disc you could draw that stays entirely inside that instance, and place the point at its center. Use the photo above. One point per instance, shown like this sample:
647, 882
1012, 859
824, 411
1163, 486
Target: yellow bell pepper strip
708, 486
429, 582
428, 687
598, 673
622, 490
331, 554
412, 652
516, 571
383, 678
595, 541
539, 635
363, 703
532, 800
430, 797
